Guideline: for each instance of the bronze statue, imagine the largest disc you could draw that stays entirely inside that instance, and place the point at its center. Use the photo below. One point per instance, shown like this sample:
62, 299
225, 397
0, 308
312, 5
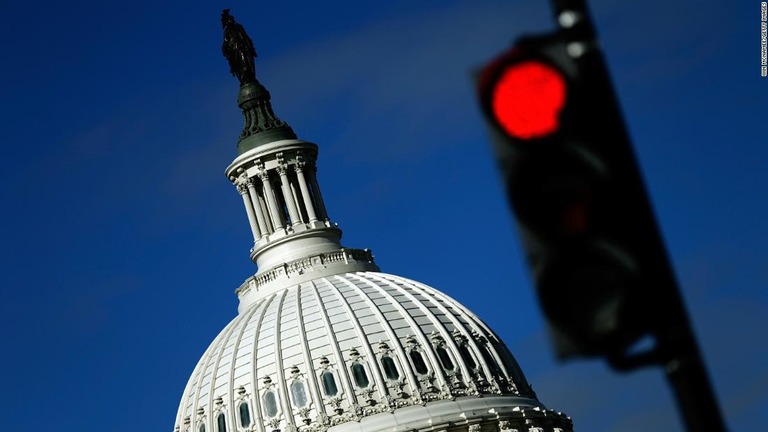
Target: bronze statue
238, 49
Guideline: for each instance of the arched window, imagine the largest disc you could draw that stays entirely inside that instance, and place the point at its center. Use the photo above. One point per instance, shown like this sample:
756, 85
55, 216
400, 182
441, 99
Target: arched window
418, 362
360, 375
201, 428
329, 384
445, 358
270, 403
221, 423
245, 415
298, 394
390, 369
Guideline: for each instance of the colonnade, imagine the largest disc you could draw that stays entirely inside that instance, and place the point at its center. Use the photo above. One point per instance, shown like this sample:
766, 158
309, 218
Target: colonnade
283, 197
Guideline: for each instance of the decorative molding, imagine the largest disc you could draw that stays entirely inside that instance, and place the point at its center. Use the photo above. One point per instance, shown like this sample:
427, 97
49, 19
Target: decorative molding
242, 188
426, 389
301, 161
476, 382
299, 266
305, 161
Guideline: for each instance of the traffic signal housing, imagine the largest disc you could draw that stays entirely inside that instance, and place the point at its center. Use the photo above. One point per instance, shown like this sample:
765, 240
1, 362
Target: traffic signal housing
590, 237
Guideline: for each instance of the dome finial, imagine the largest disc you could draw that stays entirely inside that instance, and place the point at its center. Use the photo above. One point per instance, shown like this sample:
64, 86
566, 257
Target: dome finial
238, 49
262, 126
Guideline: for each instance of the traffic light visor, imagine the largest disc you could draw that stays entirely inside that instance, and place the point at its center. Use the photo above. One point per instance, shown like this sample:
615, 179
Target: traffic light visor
527, 98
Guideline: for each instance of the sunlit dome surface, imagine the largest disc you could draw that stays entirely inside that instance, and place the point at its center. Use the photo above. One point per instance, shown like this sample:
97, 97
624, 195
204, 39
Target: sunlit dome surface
354, 350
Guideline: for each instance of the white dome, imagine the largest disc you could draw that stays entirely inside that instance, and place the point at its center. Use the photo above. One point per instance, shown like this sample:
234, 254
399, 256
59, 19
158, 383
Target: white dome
354, 349
325, 342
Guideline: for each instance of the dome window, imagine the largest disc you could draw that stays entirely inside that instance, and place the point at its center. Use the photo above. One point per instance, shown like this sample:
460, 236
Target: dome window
488, 356
418, 362
390, 369
270, 403
360, 375
245, 415
358, 368
329, 384
299, 394
328, 378
445, 358
201, 428
492, 364
221, 423
467, 356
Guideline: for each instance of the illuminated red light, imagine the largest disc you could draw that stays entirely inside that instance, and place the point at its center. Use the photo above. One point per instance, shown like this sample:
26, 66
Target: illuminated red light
528, 98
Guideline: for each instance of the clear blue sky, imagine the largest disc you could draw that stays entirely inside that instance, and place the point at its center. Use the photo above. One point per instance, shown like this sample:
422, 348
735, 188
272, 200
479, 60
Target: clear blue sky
123, 241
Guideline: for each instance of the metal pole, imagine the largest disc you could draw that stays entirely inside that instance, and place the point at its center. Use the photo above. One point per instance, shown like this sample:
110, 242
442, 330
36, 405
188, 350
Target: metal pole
685, 370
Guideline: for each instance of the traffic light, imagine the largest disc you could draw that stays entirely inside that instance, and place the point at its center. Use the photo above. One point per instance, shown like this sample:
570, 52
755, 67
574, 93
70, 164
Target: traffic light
596, 257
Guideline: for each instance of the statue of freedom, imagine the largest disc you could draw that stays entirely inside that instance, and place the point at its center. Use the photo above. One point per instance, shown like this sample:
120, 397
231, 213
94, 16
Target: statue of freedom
238, 49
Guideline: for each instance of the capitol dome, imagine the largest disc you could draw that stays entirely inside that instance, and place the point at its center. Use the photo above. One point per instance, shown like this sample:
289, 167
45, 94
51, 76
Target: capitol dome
357, 351
324, 341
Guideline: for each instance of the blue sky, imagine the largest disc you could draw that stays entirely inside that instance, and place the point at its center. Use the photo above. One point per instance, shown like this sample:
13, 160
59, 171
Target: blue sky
123, 240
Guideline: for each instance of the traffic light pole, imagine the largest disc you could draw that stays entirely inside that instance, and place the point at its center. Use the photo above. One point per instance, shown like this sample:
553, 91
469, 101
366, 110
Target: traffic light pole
685, 370
676, 349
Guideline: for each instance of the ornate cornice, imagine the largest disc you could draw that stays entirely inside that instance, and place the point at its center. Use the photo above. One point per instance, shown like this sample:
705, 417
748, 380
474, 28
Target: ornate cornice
299, 266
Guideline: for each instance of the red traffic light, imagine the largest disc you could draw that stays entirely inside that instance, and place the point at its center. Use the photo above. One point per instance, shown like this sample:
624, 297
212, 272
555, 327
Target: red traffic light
527, 98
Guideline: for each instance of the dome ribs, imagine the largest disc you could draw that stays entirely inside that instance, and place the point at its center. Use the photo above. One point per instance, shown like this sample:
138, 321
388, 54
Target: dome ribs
484, 340
220, 343
261, 307
309, 368
334, 344
426, 346
441, 329
434, 296
283, 393
392, 386
378, 378
233, 362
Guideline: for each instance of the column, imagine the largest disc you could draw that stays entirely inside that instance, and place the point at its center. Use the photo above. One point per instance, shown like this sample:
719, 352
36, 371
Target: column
243, 190
300, 164
257, 206
290, 201
265, 212
296, 198
277, 221
316, 190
